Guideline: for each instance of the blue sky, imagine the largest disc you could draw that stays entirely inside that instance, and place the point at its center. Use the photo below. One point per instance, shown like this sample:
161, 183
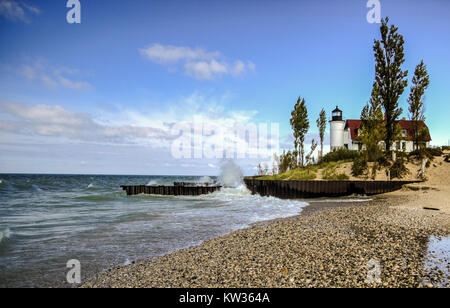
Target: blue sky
101, 96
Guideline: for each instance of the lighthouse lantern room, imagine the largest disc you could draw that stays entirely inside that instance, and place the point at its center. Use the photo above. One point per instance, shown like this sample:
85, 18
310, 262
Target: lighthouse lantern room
337, 125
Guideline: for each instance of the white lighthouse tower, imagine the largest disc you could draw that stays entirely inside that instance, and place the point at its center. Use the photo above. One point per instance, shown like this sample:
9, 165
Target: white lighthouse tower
337, 125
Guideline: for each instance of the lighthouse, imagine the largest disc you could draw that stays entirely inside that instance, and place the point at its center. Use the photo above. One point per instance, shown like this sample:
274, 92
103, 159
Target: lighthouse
337, 125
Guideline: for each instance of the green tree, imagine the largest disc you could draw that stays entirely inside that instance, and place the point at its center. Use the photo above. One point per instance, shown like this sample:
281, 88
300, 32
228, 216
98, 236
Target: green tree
310, 156
300, 125
421, 81
373, 128
288, 161
390, 79
322, 125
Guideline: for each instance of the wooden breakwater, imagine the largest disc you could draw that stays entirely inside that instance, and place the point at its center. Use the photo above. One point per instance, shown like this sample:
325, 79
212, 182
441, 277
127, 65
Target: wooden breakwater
287, 189
178, 189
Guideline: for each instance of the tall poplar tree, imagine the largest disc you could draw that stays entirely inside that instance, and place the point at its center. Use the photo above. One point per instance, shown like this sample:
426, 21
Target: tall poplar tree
322, 125
420, 81
390, 79
373, 129
300, 125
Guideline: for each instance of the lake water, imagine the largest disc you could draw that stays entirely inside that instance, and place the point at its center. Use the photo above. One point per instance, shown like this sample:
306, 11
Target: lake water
47, 220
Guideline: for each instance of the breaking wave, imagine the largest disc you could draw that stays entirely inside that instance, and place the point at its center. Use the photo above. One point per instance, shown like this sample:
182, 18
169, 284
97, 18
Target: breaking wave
231, 175
5, 234
206, 179
153, 183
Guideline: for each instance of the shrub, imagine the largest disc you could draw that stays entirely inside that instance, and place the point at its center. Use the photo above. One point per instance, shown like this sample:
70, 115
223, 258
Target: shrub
434, 151
445, 148
383, 161
375, 168
342, 177
398, 169
359, 166
429, 153
340, 154
447, 158
296, 174
329, 172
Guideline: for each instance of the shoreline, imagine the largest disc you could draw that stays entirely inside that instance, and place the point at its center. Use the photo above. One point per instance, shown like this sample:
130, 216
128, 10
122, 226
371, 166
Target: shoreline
326, 245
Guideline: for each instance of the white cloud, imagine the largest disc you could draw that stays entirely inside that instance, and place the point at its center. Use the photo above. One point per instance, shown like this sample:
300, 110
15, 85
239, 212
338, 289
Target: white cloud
44, 114
154, 128
125, 139
75, 85
169, 53
53, 77
205, 70
55, 121
198, 63
16, 11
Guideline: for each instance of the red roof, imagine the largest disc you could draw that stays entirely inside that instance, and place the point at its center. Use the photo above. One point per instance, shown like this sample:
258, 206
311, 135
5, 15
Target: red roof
354, 125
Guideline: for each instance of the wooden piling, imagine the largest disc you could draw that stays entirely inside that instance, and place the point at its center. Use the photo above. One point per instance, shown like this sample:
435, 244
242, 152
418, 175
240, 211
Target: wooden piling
313, 189
178, 189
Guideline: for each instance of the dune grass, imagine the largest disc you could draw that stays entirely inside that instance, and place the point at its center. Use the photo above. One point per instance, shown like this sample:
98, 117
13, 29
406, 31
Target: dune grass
330, 172
310, 172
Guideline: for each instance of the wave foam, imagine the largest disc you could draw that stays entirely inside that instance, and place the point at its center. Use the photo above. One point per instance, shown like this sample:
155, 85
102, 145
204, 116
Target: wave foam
341, 200
5, 234
255, 207
206, 179
153, 183
231, 175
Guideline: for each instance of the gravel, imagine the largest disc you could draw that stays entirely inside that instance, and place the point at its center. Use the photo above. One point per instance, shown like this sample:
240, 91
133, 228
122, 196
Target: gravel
331, 247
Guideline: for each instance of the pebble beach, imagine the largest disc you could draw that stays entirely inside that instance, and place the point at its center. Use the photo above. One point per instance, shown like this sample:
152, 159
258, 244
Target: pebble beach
326, 246
330, 244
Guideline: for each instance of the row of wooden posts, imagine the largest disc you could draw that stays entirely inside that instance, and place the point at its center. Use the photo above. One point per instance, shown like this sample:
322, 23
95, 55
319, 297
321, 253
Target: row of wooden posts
281, 189
314, 189
179, 189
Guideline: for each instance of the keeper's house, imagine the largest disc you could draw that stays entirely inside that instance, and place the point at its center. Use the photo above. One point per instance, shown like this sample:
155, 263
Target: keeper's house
345, 134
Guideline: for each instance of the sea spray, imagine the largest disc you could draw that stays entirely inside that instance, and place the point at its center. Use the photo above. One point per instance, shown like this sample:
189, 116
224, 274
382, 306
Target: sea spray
231, 175
127, 262
205, 179
152, 183
5, 234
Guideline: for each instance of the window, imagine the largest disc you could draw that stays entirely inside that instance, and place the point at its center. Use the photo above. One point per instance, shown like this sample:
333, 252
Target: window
404, 133
403, 145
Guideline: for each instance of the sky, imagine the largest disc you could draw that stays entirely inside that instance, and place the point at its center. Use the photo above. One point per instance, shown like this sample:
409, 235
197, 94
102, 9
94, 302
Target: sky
112, 94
